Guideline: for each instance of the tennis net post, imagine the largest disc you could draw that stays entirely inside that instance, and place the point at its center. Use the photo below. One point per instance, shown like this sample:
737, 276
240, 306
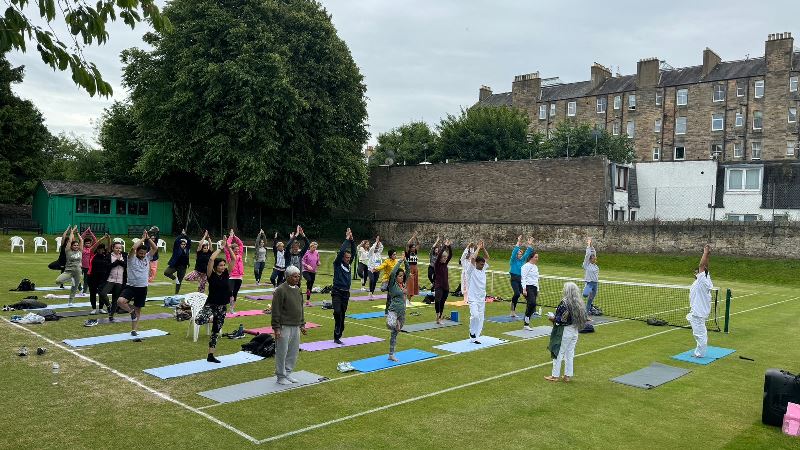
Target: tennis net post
727, 309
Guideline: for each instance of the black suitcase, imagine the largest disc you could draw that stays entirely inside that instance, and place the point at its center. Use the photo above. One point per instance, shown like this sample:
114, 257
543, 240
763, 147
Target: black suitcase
780, 388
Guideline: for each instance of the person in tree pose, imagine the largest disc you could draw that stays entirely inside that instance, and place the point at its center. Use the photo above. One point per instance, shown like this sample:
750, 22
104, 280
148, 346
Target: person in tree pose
234, 248
279, 269
342, 277
180, 260
363, 259
136, 288
116, 280
518, 258
530, 287
98, 273
260, 259
294, 254
385, 268
412, 275
590, 275
72, 267
441, 278
700, 304
433, 259
464, 262
396, 317
89, 241
476, 280
374, 260
219, 295
199, 274
310, 264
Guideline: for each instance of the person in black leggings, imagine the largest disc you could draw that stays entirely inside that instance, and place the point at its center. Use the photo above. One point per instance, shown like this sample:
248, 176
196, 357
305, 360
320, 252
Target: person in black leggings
219, 295
441, 283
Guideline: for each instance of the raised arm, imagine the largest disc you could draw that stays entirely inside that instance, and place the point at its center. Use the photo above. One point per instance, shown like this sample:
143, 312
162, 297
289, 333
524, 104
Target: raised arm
528, 250
96, 242
210, 266
703, 267
261, 237
88, 232
153, 246
138, 244
397, 267
348, 244
275, 246
589, 253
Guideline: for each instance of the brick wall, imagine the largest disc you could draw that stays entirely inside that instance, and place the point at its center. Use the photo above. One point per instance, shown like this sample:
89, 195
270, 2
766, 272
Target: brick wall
553, 191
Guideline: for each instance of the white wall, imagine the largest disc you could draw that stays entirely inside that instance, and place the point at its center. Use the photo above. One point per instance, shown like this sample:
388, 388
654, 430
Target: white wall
676, 190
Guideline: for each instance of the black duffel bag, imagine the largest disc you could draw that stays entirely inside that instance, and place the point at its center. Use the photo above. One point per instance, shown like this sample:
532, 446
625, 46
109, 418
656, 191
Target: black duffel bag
780, 388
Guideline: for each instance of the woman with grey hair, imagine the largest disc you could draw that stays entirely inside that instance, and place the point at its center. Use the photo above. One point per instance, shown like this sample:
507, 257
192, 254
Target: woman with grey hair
569, 319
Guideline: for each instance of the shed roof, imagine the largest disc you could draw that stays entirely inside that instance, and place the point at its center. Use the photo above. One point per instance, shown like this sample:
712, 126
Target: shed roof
123, 191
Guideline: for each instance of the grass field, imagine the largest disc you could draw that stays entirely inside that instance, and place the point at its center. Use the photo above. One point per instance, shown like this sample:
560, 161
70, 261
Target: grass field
494, 397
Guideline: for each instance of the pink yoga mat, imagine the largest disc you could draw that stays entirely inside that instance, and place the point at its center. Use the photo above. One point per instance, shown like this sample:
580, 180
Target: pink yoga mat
268, 330
252, 312
346, 342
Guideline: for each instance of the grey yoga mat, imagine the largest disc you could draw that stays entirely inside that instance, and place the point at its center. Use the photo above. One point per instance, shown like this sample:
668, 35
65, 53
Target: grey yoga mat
414, 327
257, 388
652, 376
530, 334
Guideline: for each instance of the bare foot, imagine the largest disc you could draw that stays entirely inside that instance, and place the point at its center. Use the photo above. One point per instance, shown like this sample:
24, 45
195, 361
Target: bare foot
392, 358
550, 378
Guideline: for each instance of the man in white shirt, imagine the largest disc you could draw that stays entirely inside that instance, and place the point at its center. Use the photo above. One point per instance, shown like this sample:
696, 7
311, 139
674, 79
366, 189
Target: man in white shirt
475, 275
135, 291
530, 287
700, 304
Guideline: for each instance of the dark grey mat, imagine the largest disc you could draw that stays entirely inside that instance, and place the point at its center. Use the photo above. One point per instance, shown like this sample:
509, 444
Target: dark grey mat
535, 333
257, 388
75, 313
650, 377
414, 327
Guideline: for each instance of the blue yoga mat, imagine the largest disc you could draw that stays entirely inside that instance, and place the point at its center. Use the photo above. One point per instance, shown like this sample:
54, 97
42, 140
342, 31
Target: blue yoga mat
64, 306
370, 315
505, 319
468, 346
109, 338
712, 354
382, 362
201, 365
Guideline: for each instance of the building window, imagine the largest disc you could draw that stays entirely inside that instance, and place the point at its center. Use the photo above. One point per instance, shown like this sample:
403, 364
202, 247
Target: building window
617, 102
619, 215
657, 126
739, 120
632, 101
122, 207
552, 109
792, 115
744, 179
656, 153
680, 125
716, 150
680, 153
133, 208
659, 98
94, 206
737, 150
621, 182
719, 93
717, 122
572, 107
615, 128
601, 104
105, 206
743, 217
793, 83
542, 111
755, 150
740, 87
790, 148
80, 205
758, 120
682, 97
631, 129
759, 89
143, 208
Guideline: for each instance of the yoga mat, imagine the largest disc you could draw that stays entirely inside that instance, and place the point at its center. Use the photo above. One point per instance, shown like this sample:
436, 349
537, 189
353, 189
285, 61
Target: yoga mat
712, 354
124, 317
84, 312
258, 297
346, 342
414, 327
60, 296
109, 338
257, 388
467, 346
371, 315
506, 319
650, 377
425, 293
48, 288
63, 306
253, 291
464, 303
201, 365
161, 298
268, 330
382, 362
535, 333
597, 320
413, 304
250, 312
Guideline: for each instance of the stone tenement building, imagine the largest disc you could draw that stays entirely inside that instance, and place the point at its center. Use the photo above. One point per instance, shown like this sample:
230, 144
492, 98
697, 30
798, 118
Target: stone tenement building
726, 110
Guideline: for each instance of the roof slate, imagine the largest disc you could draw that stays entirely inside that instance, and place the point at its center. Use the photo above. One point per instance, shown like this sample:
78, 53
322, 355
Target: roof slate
78, 189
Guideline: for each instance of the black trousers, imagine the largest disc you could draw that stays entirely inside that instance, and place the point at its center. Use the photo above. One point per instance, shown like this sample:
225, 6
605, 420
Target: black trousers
373, 281
340, 300
530, 302
363, 273
277, 277
431, 274
439, 296
516, 286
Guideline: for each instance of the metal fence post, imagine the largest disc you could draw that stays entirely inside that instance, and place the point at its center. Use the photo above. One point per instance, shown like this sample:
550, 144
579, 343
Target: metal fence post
727, 309
772, 234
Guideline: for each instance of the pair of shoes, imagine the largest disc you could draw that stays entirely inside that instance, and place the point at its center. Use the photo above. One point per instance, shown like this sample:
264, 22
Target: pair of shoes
92, 312
238, 334
101, 311
551, 378
345, 367
90, 323
23, 351
292, 379
134, 333
527, 328
212, 359
284, 382
476, 342
7, 308
41, 351
472, 336
338, 341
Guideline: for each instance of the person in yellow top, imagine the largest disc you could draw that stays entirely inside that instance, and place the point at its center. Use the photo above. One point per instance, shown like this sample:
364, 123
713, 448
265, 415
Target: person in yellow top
385, 269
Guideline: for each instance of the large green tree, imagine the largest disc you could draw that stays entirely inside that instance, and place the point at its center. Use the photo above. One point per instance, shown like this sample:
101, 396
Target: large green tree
411, 143
251, 97
570, 139
119, 139
485, 133
24, 140
71, 158
86, 22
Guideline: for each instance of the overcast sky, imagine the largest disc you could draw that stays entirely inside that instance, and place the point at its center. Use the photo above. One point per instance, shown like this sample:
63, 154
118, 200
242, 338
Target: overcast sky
424, 59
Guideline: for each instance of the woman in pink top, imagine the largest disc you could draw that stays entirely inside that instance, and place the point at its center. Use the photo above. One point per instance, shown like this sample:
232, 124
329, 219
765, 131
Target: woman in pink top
310, 264
233, 254
89, 244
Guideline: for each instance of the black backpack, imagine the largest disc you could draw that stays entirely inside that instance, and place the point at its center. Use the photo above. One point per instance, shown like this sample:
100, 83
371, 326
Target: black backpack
589, 328
261, 345
428, 299
25, 285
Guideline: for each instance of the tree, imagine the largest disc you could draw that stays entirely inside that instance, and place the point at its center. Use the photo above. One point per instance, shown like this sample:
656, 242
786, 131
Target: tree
119, 139
251, 97
74, 159
84, 19
411, 143
485, 133
24, 140
582, 140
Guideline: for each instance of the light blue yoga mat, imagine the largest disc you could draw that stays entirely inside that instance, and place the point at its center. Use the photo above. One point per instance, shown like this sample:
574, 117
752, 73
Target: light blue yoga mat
109, 338
468, 346
64, 306
505, 319
257, 388
382, 362
712, 354
201, 365
370, 315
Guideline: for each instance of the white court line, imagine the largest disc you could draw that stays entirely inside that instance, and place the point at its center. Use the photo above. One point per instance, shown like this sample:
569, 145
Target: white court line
137, 383
481, 381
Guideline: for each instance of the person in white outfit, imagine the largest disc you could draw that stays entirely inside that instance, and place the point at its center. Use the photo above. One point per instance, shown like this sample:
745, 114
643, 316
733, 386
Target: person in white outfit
570, 314
464, 262
475, 274
700, 304
530, 288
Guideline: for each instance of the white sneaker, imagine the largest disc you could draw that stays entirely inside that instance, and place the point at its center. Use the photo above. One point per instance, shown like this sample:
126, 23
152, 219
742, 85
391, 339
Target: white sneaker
284, 382
177, 282
292, 379
69, 304
92, 312
527, 328
102, 311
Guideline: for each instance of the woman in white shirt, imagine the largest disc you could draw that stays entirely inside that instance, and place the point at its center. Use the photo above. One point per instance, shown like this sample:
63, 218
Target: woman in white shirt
530, 287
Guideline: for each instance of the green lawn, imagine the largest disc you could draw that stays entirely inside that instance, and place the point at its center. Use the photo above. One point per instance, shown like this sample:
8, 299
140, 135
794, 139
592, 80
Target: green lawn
493, 397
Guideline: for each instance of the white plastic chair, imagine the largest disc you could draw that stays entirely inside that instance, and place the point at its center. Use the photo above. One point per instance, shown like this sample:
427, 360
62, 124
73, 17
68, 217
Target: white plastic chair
118, 241
196, 300
220, 244
58, 244
17, 241
39, 242
161, 244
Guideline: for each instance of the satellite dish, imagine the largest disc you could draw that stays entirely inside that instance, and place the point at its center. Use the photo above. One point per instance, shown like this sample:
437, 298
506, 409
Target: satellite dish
388, 161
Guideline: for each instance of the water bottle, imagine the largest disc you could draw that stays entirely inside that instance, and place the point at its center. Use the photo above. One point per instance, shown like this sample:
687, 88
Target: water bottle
539, 311
56, 371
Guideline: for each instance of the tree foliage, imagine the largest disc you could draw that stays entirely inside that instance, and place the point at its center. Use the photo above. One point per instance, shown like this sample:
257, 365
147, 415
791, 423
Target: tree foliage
24, 140
73, 159
573, 140
86, 22
411, 143
485, 133
118, 138
251, 96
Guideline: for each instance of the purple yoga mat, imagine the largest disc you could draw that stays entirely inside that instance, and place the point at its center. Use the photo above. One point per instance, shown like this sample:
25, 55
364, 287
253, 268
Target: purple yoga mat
346, 342
125, 317
259, 297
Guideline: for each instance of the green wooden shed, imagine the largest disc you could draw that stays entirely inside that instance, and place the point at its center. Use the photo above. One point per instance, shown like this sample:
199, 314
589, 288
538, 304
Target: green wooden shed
115, 207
